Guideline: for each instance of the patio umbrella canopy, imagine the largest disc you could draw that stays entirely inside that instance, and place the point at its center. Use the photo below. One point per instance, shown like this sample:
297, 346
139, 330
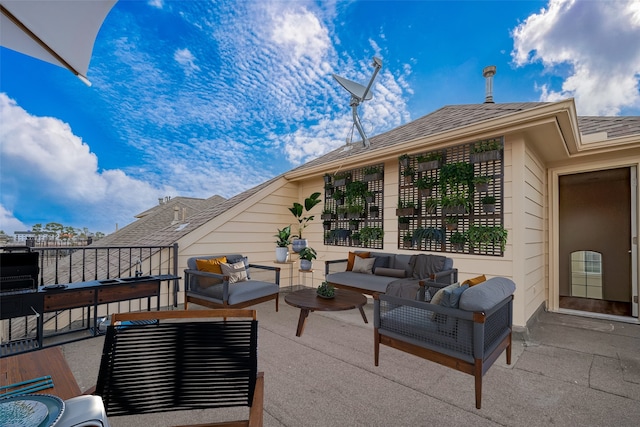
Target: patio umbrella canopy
57, 31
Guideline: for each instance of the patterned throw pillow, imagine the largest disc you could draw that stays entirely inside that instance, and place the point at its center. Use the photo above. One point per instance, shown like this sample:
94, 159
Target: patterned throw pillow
363, 265
236, 272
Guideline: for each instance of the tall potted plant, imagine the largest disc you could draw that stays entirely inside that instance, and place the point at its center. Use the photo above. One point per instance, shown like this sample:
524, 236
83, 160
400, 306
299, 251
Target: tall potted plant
282, 244
298, 211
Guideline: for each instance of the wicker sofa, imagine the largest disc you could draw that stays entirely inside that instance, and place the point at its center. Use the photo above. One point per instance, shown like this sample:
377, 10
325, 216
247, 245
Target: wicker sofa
387, 269
466, 330
262, 283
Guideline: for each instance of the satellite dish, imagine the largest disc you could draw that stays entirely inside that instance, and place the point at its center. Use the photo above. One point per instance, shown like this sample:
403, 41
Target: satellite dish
359, 93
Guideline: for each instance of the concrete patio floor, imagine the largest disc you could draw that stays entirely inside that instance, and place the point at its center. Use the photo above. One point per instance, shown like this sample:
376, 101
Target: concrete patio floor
567, 371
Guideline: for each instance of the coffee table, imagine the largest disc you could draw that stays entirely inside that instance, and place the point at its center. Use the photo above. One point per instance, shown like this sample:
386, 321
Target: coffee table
307, 300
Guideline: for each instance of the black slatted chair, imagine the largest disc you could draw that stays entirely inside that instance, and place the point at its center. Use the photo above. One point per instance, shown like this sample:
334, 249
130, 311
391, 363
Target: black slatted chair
182, 360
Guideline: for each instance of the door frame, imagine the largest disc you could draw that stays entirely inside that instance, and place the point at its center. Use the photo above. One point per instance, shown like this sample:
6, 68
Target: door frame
553, 291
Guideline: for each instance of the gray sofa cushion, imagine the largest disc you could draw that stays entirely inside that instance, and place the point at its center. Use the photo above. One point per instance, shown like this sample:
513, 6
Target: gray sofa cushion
380, 262
486, 295
367, 282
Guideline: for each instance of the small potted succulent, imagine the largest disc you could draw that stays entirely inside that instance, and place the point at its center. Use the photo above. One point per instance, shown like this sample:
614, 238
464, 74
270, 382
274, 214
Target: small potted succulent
325, 290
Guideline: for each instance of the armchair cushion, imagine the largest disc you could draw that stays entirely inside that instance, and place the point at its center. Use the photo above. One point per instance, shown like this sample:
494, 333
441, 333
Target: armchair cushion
380, 262
487, 294
451, 297
390, 272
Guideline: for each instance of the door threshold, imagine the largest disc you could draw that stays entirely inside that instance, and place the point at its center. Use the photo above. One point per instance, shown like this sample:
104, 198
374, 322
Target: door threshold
612, 317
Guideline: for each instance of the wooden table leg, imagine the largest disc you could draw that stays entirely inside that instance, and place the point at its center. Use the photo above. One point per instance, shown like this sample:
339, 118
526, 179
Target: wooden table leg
304, 313
364, 316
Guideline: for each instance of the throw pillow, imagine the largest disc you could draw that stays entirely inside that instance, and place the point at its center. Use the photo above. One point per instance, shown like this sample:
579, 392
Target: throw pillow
211, 265
381, 261
440, 294
390, 272
236, 272
363, 265
475, 280
233, 260
451, 297
352, 256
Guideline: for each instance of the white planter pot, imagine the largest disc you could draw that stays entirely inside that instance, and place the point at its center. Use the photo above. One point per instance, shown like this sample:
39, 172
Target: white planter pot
282, 254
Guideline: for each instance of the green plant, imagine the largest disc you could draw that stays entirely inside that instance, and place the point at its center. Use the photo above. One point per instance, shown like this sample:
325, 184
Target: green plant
355, 236
483, 236
355, 190
374, 209
338, 195
430, 204
404, 159
327, 211
308, 253
429, 157
458, 238
428, 233
452, 175
403, 204
481, 179
326, 290
424, 183
408, 171
355, 209
298, 210
454, 200
368, 234
451, 220
328, 186
341, 210
407, 238
487, 145
284, 237
404, 220
371, 170
342, 175
488, 200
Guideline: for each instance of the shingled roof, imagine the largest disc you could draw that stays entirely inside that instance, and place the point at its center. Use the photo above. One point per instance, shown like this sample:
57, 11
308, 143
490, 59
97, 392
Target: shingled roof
615, 127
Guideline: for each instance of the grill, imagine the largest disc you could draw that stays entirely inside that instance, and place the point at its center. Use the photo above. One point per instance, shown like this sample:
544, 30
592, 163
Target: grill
19, 271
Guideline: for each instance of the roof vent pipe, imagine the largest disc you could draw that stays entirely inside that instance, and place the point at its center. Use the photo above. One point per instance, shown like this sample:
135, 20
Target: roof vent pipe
488, 73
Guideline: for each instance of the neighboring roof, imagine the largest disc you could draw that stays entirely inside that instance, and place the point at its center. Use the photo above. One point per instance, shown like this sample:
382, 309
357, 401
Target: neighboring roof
615, 127
157, 218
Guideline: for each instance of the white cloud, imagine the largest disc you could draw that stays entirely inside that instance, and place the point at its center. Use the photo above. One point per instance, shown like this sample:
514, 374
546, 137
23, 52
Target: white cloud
185, 58
592, 46
9, 223
302, 32
158, 4
43, 159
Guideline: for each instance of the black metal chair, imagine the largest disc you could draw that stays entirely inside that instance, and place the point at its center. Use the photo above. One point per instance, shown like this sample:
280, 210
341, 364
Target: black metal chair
182, 360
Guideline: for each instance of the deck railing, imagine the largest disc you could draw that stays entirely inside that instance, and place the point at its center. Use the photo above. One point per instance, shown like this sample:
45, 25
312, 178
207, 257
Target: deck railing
64, 265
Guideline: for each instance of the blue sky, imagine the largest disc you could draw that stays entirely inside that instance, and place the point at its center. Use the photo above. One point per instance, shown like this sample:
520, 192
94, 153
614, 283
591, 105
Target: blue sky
196, 98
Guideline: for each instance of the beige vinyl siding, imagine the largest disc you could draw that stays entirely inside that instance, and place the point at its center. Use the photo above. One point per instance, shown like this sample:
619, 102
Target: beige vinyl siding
535, 230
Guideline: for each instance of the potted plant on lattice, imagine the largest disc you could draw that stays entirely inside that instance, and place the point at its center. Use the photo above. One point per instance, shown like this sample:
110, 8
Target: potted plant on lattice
406, 208
481, 183
338, 196
282, 244
429, 161
372, 173
355, 238
298, 211
374, 211
458, 240
307, 255
341, 179
486, 151
404, 160
326, 224
482, 237
354, 224
327, 214
424, 186
489, 204
355, 211
403, 222
408, 173
329, 189
451, 223
342, 212
454, 204
407, 241
430, 205
370, 234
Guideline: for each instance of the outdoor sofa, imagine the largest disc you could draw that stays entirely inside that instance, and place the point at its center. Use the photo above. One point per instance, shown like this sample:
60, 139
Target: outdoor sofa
235, 284
461, 327
388, 269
